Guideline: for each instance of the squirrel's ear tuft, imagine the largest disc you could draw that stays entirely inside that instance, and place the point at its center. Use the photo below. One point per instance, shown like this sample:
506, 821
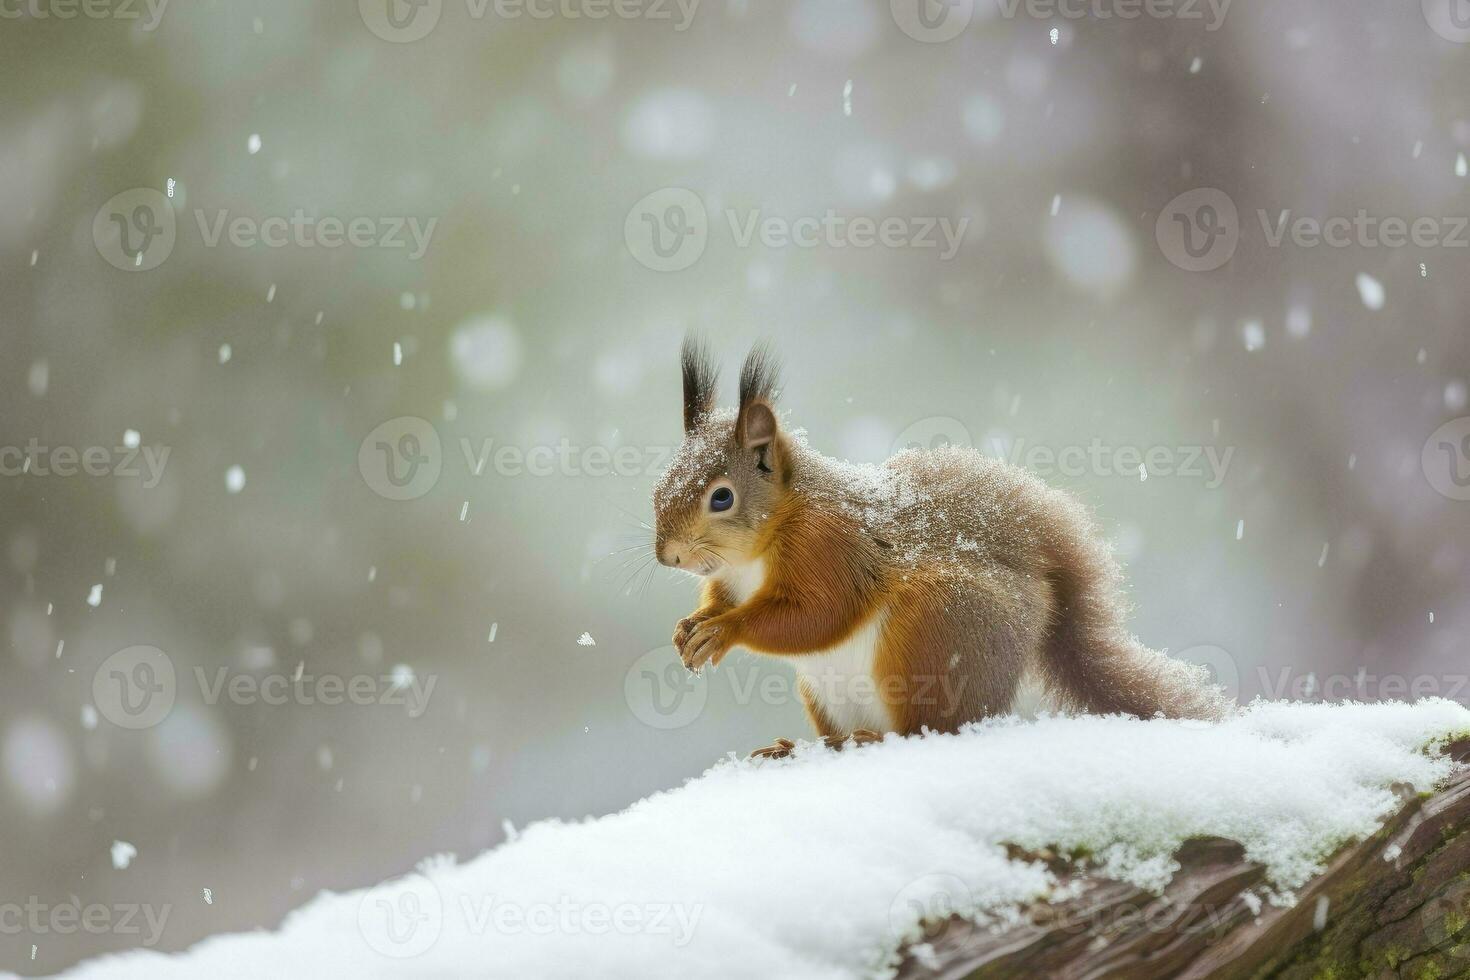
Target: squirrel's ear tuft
700, 376
759, 377
755, 427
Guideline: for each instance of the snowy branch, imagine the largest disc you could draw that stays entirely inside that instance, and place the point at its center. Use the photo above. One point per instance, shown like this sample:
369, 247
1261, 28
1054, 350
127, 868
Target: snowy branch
833, 865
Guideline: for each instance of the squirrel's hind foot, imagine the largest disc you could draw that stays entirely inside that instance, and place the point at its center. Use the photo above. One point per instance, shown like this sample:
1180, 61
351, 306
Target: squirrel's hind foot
861, 736
783, 747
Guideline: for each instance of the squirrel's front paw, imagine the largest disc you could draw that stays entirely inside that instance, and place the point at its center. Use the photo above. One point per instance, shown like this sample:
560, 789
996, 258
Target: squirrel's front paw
705, 644
683, 628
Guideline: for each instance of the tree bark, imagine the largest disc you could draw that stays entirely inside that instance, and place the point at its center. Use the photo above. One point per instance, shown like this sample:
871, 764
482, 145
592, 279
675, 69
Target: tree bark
1396, 905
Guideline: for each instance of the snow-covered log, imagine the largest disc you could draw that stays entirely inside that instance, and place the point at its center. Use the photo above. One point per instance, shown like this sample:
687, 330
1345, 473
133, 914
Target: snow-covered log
1396, 904
1278, 841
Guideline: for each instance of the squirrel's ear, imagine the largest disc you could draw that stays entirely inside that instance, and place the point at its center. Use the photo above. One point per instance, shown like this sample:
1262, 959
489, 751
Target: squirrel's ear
756, 424
700, 375
756, 427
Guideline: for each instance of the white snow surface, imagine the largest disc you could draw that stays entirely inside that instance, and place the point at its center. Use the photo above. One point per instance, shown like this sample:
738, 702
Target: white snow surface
820, 866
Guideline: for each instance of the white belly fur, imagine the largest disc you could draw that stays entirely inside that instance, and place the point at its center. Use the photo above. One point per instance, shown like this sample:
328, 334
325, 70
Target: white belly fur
839, 679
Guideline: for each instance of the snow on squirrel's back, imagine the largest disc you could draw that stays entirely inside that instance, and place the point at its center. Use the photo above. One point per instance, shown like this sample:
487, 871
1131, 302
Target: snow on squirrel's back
821, 865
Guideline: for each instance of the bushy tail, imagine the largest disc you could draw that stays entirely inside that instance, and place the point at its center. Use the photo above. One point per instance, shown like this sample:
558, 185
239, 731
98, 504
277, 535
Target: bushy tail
1091, 662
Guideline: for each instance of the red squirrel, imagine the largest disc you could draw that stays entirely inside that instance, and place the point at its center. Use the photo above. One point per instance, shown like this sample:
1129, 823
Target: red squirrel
921, 594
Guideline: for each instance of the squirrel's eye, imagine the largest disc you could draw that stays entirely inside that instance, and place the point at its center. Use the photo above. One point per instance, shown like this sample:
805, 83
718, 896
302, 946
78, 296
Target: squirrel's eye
722, 499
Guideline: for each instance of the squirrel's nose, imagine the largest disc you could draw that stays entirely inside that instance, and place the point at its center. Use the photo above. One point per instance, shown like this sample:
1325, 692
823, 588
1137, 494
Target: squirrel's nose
671, 553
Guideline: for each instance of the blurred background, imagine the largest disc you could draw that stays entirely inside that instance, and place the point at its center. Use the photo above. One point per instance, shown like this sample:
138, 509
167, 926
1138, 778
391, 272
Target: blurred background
340, 355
